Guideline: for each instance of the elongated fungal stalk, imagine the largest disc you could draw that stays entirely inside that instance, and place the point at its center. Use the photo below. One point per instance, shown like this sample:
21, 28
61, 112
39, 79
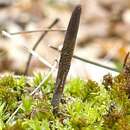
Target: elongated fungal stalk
66, 56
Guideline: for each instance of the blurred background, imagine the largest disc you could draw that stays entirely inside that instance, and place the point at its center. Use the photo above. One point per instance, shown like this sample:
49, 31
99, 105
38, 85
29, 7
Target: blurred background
103, 37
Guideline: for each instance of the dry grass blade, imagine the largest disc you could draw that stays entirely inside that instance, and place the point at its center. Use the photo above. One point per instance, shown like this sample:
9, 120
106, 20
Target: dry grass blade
34, 91
126, 66
126, 73
33, 53
37, 31
36, 44
66, 56
90, 62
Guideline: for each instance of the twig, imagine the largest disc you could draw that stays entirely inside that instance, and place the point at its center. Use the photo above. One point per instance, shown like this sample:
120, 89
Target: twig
126, 65
36, 31
126, 73
97, 64
126, 59
33, 53
14, 113
42, 82
89, 61
66, 56
34, 91
36, 44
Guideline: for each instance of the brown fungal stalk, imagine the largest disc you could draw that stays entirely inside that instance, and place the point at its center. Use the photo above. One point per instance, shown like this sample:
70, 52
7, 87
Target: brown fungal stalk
66, 56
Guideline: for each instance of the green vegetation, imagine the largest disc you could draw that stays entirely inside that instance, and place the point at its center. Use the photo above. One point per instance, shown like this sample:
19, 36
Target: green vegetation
85, 105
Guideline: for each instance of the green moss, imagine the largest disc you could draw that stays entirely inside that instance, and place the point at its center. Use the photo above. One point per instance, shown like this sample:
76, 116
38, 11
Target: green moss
79, 88
11, 90
86, 105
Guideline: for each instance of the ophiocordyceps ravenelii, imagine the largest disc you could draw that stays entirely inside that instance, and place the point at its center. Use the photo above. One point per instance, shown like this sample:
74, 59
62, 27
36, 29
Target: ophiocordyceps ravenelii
66, 56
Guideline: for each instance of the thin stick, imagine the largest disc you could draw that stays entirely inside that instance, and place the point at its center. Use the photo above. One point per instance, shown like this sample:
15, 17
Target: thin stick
36, 31
126, 65
36, 44
90, 62
33, 53
126, 73
14, 113
43, 81
34, 91
97, 64
66, 56
126, 58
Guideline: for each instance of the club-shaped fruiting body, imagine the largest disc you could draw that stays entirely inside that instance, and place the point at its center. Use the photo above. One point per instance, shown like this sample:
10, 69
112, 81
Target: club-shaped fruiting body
66, 56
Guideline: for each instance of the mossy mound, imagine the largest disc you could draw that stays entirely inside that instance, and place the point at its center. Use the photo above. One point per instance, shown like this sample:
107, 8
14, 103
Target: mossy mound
85, 105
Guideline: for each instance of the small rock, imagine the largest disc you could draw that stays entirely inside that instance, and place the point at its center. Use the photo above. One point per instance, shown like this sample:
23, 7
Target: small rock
5, 3
126, 16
